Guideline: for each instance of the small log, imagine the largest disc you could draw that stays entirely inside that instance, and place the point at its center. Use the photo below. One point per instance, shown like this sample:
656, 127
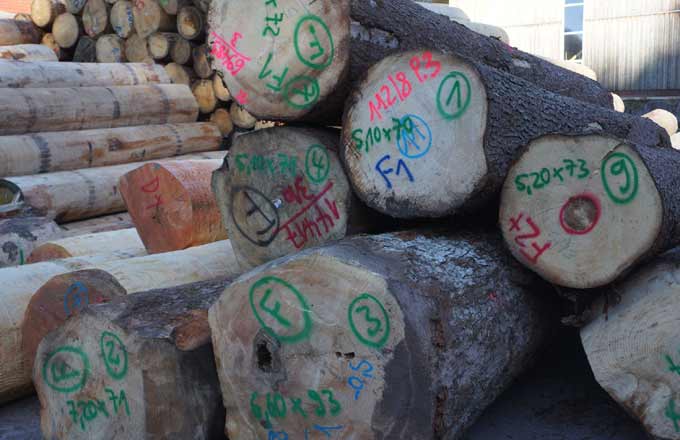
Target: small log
110, 49
240, 117
90, 244
632, 345
664, 119
455, 142
44, 12
203, 5
172, 205
49, 41
122, 19
181, 51
19, 237
27, 52
222, 118
38, 110
23, 17
200, 57
66, 30
583, 211
314, 55
13, 32
190, 23
106, 223
149, 17
137, 49
75, 150
179, 397
282, 190
172, 7
74, 6
397, 336
76, 195
179, 74
221, 91
85, 51
161, 45
205, 95
96, 18
42, 75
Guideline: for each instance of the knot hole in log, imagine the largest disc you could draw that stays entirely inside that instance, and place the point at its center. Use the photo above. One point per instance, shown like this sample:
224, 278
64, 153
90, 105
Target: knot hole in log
267, 357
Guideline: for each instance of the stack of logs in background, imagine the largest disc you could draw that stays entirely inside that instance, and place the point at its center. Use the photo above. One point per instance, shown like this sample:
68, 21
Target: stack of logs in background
382, 262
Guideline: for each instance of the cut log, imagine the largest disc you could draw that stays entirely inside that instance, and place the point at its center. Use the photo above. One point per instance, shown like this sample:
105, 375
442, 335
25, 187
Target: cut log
399, 336
96, 18
74, 6
583, 211
134, 275
38, 110
205, 95
664, 119
314, 55
66, 30
457, 127
137, 49
200, 57
23, 17
106, 223
282, 190
161, 45
172, 7
110, 49
632, 345
74, 150
43, 75
221, 91
27, 52
179, 74
172, 205
181, 52
49, 41
619, 105
85, 51
240, 117
203, 5
149, 17
13, 32
126, 240
222, 118
190, 23
21, 235
178, 398
121, 17
77, 195
44, 12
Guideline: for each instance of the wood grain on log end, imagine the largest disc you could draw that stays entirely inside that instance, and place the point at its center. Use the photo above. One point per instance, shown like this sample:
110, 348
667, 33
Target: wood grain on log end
172, 204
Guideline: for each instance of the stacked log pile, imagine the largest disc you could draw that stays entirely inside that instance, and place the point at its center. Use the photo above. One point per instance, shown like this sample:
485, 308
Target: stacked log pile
338, 325
22, 40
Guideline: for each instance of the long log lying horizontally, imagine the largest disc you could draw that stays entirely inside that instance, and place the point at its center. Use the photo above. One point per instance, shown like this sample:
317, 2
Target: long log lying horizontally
21, 235
54, 304
314, 54
126, 240
27, 52
51, 75
396, 336
172, 204
457, 127
79, 108
282, 189
582, 211
18, 32
632, 345
112, 392
113, 222
77, 195
75, 150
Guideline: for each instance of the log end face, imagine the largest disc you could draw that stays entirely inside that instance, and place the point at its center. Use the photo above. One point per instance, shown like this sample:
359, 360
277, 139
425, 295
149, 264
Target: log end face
48, 252
303, 336
414, 133
580, 211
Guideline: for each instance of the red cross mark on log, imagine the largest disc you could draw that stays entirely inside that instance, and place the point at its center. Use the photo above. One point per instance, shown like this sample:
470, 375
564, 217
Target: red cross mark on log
523, 239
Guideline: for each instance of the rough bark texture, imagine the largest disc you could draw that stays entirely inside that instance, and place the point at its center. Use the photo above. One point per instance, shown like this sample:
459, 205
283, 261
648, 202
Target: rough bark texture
433, 327
20, 236
168, 377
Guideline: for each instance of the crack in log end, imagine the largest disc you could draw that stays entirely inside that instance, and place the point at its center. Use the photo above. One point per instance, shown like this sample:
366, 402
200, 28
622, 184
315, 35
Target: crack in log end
438, 423
348, 356
266, 354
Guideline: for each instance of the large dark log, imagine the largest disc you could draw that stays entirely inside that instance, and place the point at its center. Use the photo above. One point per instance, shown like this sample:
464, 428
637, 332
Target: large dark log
138, 367
457, 127
315, 54
397, 336
583, 211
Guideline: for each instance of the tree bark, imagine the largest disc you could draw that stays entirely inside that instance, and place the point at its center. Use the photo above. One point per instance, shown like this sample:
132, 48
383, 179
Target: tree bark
398, 336
615, 206
457, 126
21, 235
126, 240
61, 109
172, 205
77, 195
13, 32
631, 343
76, 150
114, 222
27, 52
179, 397
348, 38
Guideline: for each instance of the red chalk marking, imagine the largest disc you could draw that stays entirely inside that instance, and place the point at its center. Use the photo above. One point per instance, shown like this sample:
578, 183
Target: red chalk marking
221, 50
522, 238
